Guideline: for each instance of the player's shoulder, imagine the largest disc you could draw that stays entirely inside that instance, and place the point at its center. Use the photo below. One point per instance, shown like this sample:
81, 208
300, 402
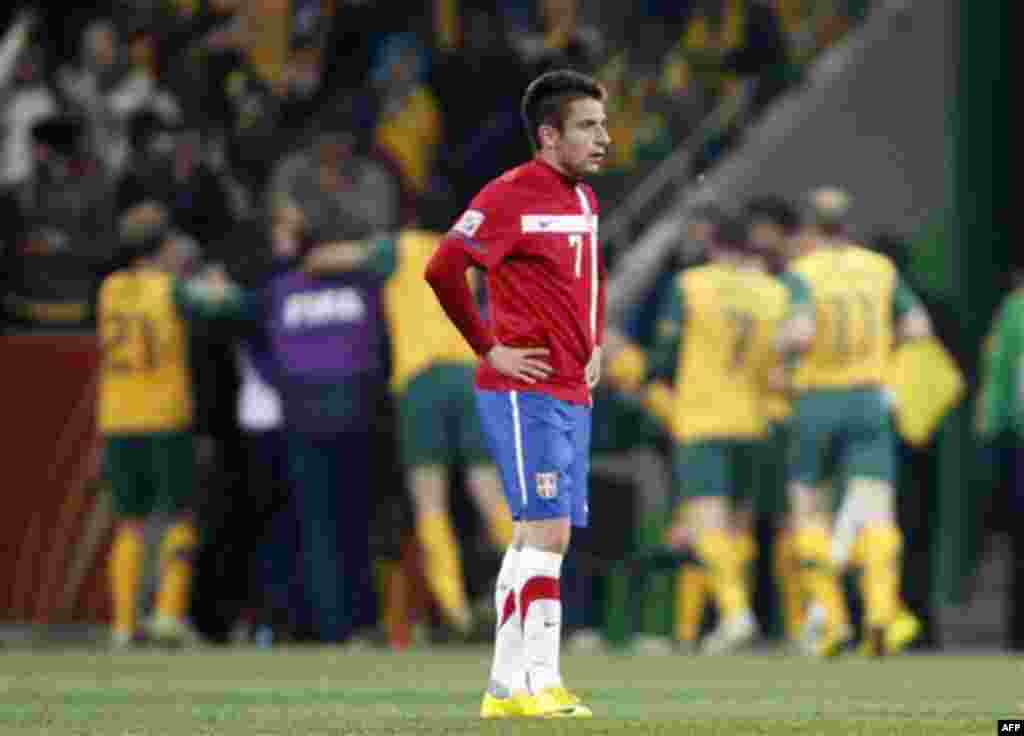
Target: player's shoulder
1012, 306
807, 262
508, 188
696, 275
499, 201
769, 283
115, 282
871, 258
820, 263
113, 278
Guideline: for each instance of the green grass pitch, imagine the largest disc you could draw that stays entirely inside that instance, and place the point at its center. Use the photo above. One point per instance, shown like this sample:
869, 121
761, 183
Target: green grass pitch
316, 692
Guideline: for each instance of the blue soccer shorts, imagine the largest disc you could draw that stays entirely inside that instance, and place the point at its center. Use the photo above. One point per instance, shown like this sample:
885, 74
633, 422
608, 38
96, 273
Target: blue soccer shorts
541, 446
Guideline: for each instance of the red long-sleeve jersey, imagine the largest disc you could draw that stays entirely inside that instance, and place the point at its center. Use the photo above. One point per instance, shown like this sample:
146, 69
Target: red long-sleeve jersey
534, 231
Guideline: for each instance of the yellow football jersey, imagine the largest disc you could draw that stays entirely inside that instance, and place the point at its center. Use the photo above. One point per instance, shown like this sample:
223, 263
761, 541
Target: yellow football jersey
421, 333
145, 384
852, 292
729, 339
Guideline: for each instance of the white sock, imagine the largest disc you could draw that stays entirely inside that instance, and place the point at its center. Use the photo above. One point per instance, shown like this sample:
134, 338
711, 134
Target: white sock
541, 609
508, 674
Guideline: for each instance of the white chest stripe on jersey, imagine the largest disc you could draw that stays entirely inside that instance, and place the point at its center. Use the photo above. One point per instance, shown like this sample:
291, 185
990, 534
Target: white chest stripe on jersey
591, 221
555, 223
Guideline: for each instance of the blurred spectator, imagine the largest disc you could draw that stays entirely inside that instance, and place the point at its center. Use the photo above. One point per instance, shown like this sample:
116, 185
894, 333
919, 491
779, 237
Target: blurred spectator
60, 220
357, 29
409, 117
560, 40
1000, 425
723, 44
811, 26
452, 19
484, 134
343, 192
637, 123
176, 176
260, 117
109, 86
25, 99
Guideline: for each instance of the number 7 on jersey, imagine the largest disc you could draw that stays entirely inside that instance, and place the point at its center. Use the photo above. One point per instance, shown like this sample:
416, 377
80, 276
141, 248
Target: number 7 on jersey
576, 242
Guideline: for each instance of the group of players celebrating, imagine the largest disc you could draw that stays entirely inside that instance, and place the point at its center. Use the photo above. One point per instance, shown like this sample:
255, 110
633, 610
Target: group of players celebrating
770, 372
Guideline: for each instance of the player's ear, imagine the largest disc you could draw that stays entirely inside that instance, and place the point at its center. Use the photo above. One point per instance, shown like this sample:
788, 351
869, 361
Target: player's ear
548, 135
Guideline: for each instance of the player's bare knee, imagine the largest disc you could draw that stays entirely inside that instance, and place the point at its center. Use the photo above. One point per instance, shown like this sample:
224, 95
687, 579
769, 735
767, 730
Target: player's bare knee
428, 486
803, 502
710, 513
485, 486
872, 501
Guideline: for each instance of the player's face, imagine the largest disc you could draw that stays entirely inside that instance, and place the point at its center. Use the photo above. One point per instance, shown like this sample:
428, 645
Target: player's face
582, 145
767, 237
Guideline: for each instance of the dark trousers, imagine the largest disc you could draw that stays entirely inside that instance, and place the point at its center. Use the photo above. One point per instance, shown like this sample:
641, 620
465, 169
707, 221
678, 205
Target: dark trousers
330, 477
1014, 515
277, 583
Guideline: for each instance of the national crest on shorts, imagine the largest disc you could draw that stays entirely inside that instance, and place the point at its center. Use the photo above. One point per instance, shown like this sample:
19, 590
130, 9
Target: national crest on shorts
547, 485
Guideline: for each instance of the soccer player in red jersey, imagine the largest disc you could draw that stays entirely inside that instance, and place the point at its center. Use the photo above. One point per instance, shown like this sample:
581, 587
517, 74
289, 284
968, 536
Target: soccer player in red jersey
534, 231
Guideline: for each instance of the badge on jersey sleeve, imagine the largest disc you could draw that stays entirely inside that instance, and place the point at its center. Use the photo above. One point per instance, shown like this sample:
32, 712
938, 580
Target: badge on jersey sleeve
469, 223
547, 485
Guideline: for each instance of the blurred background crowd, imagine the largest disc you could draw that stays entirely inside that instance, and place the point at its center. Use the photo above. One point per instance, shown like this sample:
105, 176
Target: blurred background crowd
265, 127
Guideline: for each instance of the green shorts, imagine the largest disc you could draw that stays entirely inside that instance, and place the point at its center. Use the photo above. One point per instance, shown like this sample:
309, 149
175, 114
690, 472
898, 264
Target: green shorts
774, 450
841, 435
149, 473
717, 467
438, 423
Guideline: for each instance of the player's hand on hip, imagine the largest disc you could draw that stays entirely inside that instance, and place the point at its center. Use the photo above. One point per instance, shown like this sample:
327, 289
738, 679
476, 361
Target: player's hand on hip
526, 364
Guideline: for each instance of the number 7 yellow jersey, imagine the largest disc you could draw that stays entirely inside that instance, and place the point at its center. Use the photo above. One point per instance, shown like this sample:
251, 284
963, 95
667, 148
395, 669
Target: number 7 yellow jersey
727, 348
852, 294
145, 384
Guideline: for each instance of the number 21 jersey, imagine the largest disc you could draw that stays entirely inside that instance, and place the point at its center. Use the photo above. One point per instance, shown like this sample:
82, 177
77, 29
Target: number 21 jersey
144, 374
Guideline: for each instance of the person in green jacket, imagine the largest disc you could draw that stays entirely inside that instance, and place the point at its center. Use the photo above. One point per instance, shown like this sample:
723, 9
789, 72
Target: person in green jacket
1000, 421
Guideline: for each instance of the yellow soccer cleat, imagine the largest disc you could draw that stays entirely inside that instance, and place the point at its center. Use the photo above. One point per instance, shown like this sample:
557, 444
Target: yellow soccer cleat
901, 632
835, 643
557, 702
514, 706
896, 637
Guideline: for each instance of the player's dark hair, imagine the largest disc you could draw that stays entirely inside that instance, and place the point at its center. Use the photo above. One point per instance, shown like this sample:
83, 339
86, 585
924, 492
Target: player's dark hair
776, 210
143, 240
547, 99
732, 233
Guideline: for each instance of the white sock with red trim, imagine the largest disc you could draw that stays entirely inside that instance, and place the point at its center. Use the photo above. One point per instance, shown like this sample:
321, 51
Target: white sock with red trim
541, 608
508, 675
